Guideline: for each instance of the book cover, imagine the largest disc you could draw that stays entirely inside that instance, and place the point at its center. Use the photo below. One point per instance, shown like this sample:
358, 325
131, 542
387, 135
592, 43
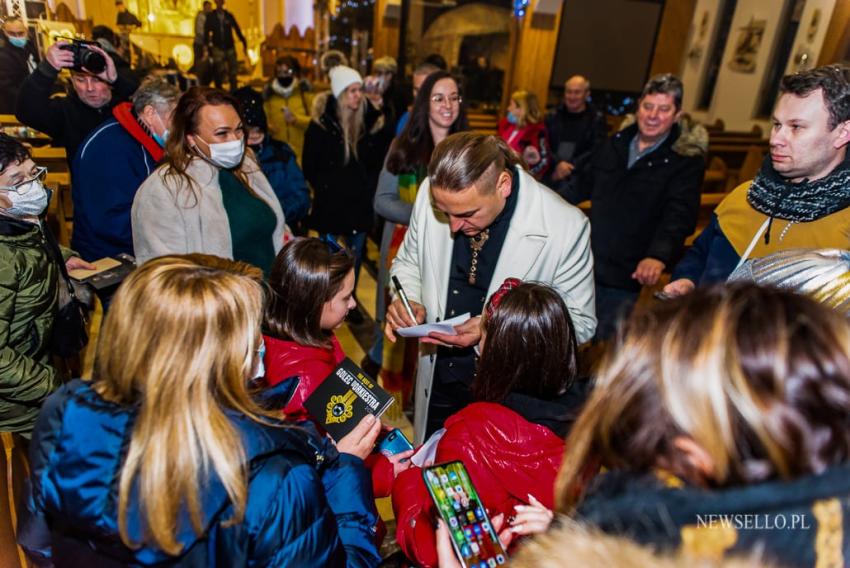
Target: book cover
344, 398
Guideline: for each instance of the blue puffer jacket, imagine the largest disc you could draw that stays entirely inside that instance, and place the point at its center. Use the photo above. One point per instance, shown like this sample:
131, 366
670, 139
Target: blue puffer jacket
278, 162
307, 505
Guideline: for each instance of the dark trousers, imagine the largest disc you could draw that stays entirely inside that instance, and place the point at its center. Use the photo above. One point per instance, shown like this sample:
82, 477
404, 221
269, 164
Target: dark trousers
612, 305
446, 399
224, 62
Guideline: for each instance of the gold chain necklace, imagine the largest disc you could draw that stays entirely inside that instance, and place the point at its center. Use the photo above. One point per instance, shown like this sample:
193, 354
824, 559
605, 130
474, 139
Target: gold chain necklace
476, 243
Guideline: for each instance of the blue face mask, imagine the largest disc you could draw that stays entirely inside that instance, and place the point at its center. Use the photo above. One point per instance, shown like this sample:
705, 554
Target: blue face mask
261, 365
160, 139
18, 41
512, 118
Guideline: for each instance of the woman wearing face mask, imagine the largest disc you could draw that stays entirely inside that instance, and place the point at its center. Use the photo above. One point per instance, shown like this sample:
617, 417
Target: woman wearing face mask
524, 131
288, 103
343, 150
207, 196
30, 277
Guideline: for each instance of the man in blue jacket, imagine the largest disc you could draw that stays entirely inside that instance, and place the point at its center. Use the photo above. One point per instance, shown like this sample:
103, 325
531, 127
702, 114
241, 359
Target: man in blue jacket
112, 163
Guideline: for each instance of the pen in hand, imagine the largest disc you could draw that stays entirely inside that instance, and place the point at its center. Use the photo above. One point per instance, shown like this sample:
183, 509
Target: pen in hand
400, 291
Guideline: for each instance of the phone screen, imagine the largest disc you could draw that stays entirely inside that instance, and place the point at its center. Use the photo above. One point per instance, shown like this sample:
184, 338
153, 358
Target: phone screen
473, 536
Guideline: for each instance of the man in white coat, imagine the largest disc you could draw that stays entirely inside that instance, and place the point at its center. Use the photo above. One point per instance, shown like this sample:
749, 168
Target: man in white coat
478, 219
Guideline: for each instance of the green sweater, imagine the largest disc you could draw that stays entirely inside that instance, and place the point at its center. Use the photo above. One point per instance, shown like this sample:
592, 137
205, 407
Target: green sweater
252, 223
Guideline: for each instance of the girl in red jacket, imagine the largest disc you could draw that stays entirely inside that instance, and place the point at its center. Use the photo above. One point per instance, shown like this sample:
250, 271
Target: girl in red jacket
510, 440
525, 133
311, 292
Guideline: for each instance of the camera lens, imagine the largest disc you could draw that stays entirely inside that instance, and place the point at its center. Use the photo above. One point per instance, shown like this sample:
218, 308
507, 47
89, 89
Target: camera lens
92, 61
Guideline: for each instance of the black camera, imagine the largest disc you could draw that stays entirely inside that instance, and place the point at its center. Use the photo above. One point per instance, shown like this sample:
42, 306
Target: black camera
85, 59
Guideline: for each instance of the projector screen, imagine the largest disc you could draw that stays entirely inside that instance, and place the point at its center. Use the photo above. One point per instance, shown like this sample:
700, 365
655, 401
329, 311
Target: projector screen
608, 41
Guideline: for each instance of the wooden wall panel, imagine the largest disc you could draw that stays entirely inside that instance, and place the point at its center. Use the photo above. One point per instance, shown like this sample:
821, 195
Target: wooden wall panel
534, 56
385, 41
672, 40
837, 38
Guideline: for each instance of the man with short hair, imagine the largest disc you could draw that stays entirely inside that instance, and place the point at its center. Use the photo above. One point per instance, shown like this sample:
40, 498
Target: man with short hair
111, 165
419, 75
644, 186
575, 129
18, 58
800, 197
200, 64
68, 120
125, 18
219, 27
478, 219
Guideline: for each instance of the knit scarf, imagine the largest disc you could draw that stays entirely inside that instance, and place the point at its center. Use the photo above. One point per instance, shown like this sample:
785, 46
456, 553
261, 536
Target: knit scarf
775, 196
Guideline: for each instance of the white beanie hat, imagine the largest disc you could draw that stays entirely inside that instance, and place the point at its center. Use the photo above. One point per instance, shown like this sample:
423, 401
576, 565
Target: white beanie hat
341, 77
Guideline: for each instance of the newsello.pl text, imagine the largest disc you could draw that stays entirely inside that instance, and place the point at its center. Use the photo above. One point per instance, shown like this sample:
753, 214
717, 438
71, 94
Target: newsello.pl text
755, 522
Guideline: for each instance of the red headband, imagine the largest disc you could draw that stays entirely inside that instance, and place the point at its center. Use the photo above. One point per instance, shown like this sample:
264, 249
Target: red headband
496, 299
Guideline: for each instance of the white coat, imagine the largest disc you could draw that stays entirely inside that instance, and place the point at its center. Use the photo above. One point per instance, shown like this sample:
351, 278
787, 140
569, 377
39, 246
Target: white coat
168, 219
548, 241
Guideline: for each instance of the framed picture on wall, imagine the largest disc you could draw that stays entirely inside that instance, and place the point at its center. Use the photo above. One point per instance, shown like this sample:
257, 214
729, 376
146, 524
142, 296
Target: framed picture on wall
747, 47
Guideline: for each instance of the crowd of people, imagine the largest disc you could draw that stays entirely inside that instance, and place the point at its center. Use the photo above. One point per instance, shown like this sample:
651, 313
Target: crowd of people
715, 426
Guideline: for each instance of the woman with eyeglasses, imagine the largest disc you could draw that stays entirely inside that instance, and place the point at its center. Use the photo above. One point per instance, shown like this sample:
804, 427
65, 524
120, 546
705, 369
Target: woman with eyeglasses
524, 131
343, 149
32, 273
437, 112
209, 196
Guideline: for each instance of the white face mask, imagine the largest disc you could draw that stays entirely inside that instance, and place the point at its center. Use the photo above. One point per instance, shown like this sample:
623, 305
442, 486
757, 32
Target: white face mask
29, 200
227, 155
261, 365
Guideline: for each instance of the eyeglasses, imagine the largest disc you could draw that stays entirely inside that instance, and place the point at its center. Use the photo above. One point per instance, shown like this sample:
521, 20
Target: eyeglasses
40, 174
439, 100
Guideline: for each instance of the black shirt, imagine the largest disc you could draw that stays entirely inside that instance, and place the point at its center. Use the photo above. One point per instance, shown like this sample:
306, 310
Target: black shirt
458, 365
219, 28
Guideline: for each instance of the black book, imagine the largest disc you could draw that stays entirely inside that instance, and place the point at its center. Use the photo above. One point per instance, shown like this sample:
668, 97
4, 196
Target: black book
344, 398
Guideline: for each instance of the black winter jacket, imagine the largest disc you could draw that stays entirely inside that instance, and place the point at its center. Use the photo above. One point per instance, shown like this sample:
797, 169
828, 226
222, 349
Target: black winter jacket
343, 192
67, 120
593, 128
645, 211
13, 71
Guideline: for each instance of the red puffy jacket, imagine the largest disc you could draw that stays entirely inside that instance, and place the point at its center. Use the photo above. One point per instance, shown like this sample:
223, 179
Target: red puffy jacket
285, 358
507, 458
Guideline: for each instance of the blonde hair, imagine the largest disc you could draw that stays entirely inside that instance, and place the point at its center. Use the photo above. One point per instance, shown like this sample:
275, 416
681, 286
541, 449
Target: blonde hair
587, 546
353, 123
527, 101
758, 378
179, 343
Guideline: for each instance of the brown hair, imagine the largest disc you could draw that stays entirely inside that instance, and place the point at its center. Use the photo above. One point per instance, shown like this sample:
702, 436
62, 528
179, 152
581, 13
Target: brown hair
306, 273
469, 158
834, 80
757, 378
187, 116
530, 346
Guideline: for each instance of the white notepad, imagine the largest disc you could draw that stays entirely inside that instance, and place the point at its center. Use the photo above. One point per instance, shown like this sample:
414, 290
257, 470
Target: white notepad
422, 330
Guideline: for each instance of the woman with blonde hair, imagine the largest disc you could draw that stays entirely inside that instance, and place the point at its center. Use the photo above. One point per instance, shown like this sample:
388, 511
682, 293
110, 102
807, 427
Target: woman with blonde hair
722, 422
344, 147
525, 132
209, 196
165, 457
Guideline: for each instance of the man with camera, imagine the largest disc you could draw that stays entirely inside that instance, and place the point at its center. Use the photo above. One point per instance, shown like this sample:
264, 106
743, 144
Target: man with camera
96, 88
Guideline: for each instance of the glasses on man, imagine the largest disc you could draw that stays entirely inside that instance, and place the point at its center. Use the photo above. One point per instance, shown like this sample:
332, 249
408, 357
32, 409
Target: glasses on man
39, 175
452, 100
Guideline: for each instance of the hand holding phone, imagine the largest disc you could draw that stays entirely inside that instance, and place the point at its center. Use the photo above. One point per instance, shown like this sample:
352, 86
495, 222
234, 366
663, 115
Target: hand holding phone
473, 535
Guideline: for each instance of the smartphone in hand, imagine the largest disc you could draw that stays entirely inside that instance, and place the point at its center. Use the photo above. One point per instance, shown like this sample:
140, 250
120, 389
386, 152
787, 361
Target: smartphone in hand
395, 442
472, 534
